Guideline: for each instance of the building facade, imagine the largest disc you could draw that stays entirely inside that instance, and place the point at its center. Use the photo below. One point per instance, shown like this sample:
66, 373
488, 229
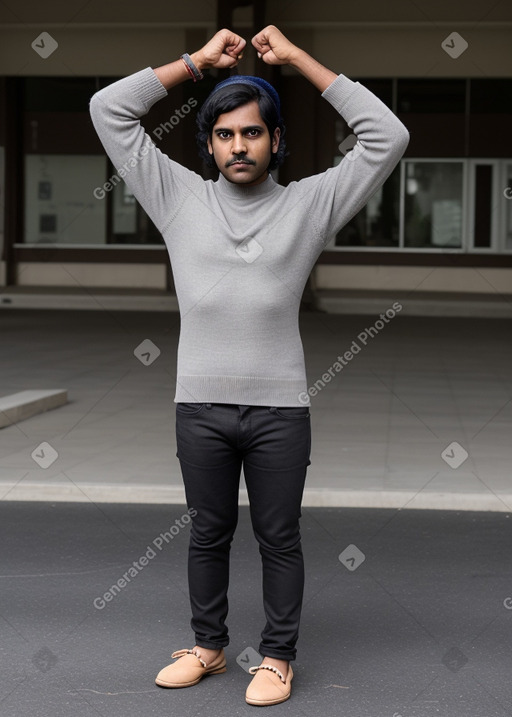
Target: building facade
442, 222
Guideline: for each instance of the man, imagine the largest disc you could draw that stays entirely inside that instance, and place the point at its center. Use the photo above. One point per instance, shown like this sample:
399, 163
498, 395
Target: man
241, 249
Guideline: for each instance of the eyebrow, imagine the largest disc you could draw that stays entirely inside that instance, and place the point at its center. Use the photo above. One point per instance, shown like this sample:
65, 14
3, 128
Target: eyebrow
244, 129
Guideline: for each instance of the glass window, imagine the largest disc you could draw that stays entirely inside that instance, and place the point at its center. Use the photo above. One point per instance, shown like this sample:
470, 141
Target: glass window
59, 205
377, 224
130, 223
483, 205
124, 211
508, 208
65, 163
433, 194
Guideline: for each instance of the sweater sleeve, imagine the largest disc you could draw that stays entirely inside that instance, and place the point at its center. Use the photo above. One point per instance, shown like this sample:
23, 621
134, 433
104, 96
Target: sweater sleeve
158, 183
340, 192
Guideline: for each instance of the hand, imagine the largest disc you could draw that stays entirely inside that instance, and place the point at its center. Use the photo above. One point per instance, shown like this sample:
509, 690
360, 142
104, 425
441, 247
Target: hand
224, 50
273, 47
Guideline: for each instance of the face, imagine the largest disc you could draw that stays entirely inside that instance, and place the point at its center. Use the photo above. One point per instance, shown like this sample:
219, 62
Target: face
241, 145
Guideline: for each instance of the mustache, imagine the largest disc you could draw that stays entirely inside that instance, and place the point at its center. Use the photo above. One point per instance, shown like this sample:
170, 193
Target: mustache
240, 158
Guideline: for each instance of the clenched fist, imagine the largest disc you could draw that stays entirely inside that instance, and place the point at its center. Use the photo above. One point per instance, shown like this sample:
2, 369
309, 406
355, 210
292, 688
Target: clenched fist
273, 47
224, 50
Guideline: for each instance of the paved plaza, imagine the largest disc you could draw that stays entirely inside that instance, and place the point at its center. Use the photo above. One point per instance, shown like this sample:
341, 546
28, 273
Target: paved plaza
405, 526
415, 412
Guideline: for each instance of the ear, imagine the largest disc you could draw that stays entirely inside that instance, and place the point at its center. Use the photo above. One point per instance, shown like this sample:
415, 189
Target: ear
209, 144
275, 140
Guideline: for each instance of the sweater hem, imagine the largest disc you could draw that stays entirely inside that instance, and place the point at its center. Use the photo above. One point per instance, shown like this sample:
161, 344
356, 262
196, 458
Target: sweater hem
242, 390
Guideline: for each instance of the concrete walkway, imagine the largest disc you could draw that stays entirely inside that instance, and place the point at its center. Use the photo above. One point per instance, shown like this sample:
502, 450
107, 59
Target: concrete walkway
418, 414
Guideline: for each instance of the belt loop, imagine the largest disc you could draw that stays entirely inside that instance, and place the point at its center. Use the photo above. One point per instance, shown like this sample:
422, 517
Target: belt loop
272, 409
208, 405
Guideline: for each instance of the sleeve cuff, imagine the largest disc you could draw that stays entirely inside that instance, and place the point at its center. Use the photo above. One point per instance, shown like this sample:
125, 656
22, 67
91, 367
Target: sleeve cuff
147, 87
339, 91
140, 90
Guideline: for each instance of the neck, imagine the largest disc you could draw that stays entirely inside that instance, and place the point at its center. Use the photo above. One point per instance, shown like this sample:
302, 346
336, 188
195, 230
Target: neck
233, 189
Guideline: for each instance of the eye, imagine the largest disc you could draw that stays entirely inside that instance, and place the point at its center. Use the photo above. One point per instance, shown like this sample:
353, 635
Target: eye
253, 132
223, 134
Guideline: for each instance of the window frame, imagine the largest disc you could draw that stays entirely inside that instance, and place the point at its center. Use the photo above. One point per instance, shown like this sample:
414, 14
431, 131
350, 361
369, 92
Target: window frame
464, 229
499, 217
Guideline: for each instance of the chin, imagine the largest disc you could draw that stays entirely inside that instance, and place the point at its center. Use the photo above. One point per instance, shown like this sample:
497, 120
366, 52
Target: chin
245, 177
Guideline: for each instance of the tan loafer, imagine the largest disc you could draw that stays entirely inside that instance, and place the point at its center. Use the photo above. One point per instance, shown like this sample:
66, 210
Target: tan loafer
189, 669
268, 686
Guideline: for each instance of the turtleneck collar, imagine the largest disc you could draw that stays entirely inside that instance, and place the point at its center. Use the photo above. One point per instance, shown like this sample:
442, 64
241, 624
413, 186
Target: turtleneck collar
240, 191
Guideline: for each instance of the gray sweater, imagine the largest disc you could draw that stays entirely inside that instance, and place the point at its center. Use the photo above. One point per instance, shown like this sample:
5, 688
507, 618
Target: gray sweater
240, 255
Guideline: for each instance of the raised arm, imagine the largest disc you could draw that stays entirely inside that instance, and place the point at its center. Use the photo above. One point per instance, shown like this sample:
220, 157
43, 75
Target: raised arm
337, 194
275, 49
224, 50
158, 183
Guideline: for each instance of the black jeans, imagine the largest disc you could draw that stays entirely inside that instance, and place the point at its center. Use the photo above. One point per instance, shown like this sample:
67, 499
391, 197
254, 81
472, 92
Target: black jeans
273, 444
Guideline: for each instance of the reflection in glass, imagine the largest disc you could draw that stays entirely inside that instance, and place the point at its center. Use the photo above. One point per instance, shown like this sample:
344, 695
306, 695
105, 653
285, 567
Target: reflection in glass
60, 207
433, 204
377, 224
124, 211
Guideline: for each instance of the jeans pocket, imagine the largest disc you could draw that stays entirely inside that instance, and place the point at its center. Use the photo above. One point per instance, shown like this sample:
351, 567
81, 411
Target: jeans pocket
190, 409
292, 412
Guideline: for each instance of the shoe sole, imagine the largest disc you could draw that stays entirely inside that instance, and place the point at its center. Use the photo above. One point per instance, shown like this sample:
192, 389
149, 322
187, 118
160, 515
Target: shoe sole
161, 683
264, 703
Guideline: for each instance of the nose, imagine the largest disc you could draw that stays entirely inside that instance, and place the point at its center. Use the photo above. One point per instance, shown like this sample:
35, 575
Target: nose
238, 145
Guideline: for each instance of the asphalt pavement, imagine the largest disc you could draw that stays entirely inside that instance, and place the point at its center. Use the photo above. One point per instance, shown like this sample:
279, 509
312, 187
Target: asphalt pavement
406, 613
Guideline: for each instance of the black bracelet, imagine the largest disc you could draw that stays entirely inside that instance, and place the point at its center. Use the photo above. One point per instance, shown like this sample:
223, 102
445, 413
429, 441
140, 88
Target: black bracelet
197, 74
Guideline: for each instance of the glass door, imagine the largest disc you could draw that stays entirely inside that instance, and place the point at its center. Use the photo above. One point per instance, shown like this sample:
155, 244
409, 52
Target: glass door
506, 203
484, 203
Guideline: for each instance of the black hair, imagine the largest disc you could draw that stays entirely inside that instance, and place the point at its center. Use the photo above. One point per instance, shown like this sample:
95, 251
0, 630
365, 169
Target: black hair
229, 98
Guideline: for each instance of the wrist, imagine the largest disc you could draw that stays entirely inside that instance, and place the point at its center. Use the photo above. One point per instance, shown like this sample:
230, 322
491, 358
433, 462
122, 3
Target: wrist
297, 57
199, 60
193, 71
